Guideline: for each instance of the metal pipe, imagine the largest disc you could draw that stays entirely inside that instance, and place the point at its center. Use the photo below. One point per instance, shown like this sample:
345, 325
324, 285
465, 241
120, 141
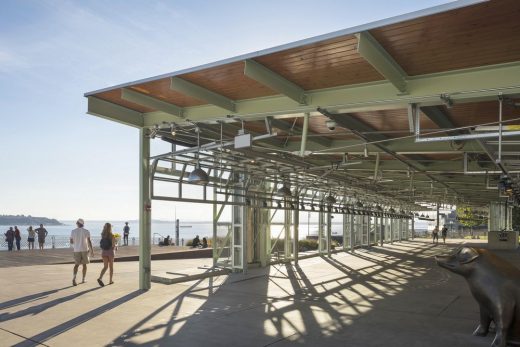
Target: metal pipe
304, 133
500, 101
467, 137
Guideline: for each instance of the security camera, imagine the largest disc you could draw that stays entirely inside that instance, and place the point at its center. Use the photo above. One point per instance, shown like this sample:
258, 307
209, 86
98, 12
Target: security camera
331, 124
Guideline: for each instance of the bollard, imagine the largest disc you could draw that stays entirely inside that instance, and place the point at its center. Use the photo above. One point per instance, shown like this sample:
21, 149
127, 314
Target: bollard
133, 241
53, 242
182, 240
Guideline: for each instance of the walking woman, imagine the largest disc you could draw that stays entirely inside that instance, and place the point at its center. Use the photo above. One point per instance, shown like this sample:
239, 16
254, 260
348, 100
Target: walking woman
30, 238
108, 245
17, 237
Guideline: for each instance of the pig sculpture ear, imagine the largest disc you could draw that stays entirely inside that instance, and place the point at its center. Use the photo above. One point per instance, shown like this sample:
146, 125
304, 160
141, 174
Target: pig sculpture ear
467, 255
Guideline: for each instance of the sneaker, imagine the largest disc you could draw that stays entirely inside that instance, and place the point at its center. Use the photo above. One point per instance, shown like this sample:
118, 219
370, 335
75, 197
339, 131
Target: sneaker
101, 284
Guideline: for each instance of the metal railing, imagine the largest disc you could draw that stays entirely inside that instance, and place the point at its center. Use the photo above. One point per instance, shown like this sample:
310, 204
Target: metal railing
58, 241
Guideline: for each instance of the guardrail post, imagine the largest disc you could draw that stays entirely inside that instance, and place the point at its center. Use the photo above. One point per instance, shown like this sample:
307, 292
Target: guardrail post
53, 242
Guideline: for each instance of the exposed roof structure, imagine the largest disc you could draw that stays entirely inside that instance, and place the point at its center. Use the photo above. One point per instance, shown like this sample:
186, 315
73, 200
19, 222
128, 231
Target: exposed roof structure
416, 101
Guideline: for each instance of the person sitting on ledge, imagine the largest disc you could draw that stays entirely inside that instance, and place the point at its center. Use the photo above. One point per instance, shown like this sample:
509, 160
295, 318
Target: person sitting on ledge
196, 242
204, 242
167, 241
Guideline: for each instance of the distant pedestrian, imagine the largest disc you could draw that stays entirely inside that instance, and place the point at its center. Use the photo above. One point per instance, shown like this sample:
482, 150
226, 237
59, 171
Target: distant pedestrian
42, 234
435, 234
444, 233
9, 238
30, 238
108, 246
126, 232
80, 240
17, 237
196, 242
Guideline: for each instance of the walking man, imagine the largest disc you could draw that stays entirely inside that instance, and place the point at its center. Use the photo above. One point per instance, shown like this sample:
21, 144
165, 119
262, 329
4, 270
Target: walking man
42, 234
126, 232
444, 233
435, 234
80, 241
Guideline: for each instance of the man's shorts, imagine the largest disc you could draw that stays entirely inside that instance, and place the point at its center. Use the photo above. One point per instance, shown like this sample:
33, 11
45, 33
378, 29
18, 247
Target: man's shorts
81, 258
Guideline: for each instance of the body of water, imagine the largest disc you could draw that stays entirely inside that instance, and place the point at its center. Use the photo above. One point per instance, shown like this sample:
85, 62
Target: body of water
59, 234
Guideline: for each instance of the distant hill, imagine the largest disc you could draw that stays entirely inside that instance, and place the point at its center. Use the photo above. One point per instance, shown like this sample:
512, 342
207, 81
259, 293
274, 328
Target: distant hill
27, 220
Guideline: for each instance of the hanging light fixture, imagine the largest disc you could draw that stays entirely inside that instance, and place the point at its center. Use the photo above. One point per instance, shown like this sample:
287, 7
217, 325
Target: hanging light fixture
198, 176
284, 190
330, 199
173, 129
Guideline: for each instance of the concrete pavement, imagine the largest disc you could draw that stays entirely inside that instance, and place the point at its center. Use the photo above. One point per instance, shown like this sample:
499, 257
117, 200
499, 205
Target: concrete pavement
383, 296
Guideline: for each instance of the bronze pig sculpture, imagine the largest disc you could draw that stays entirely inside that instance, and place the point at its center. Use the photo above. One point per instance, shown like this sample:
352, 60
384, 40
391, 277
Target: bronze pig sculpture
495, 284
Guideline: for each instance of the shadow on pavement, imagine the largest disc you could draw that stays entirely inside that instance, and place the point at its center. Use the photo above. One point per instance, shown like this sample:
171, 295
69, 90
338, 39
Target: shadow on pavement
29, 298
59, 329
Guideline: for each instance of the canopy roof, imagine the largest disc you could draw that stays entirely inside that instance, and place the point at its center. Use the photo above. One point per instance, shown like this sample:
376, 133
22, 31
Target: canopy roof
447, 66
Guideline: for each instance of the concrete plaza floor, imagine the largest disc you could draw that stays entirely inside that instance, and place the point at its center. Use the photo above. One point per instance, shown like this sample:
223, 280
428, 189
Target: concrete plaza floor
382, 296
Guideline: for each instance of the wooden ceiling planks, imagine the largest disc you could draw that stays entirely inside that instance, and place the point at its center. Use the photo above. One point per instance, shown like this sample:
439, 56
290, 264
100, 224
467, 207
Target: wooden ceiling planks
160, 89
114, 96
320, 65
473, 36
482, 112
229, 80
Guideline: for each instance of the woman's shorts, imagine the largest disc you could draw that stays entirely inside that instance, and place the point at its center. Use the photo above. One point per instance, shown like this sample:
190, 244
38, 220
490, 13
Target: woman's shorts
30, 239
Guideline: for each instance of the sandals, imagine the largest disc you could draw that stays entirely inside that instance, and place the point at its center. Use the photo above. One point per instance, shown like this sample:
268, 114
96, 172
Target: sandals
101, 284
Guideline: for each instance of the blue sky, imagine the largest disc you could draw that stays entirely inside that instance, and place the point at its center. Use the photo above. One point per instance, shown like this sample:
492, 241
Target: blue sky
58, 162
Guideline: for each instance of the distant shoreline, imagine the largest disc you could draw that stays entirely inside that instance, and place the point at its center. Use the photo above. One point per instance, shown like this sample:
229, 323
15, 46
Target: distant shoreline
27, 220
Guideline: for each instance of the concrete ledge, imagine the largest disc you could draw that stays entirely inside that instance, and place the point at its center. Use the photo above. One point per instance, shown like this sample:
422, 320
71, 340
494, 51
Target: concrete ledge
188, 254
172, 277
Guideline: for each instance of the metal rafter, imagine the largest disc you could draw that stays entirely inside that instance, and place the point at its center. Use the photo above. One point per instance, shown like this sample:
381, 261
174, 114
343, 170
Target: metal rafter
151, 102
381, 60
274, 81
191, 89
298, 130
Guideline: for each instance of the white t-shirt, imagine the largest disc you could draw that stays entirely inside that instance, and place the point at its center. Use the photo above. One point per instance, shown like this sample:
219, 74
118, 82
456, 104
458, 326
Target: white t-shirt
79, 239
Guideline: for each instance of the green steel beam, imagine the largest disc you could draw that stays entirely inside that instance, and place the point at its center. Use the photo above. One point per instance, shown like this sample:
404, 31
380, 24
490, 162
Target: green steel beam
274, 81
381, 60
462, 85
104, 109
401, 146
467, 85
297, 130
151, 102
200, 93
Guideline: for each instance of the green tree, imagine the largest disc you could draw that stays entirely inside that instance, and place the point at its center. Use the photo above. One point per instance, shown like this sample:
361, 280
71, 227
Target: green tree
468, 218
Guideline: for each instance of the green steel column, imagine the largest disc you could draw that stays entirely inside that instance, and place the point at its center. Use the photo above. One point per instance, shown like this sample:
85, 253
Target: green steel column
352, 236
413, 227
145, 212
287, 228
382, 226
329, 232
296, 225
391, 229
215, 221
345, 231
